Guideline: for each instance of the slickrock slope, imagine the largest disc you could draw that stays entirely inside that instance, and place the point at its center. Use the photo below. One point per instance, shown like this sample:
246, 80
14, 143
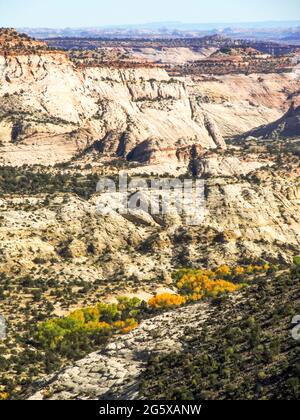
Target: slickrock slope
176, 55
182, 354
216, 166
114, 372
58, 253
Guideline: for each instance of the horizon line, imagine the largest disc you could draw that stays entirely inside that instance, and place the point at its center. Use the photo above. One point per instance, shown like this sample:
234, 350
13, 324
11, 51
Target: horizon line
115, 25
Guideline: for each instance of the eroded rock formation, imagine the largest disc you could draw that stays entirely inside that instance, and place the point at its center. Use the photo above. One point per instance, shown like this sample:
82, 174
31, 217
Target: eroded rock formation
50, 111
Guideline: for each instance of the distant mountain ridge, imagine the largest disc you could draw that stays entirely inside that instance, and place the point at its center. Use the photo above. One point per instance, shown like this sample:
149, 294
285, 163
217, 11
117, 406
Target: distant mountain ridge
260, 30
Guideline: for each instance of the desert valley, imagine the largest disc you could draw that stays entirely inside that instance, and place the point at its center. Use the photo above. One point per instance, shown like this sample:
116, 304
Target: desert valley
132, 306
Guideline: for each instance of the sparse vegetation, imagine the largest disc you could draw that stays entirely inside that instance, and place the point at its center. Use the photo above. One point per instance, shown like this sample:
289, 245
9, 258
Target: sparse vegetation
84, 329
219, 327
27, 181
51, 342
246, 353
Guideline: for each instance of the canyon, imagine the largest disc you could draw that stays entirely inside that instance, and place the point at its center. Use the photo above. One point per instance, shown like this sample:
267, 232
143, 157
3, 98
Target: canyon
71, 118
57, 111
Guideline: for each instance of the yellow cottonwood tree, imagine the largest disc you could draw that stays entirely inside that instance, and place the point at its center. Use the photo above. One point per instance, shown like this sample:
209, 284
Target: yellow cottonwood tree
166, 300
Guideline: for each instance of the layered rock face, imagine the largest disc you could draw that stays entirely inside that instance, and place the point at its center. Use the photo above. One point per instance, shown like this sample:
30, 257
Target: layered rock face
236, 101
216, 166
45, 97
50, 111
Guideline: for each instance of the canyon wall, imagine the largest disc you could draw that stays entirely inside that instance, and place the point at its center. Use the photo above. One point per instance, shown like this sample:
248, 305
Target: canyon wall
50, 111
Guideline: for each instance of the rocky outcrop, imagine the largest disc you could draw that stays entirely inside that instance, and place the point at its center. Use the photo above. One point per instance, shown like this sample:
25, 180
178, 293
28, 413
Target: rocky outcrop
156, 151
214, 132
12, 42
236, 101
216, 166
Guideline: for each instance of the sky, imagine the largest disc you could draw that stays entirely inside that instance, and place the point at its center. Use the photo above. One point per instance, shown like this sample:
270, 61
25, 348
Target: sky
89, 13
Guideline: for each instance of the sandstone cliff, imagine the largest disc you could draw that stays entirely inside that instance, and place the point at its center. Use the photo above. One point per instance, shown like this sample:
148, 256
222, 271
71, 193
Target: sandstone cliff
287, 126
50, 111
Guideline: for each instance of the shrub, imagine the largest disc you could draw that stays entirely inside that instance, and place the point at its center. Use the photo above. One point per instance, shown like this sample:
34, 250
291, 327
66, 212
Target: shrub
239, 271
90, 326
297, 260
224, 270
195, 287
166, 300
4, 396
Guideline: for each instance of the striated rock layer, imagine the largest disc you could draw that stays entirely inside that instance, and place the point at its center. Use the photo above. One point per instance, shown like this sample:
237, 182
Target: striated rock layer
287, 126
50, 111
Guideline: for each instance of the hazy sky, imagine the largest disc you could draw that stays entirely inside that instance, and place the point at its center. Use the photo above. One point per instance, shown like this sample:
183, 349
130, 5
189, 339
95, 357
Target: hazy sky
84, 13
